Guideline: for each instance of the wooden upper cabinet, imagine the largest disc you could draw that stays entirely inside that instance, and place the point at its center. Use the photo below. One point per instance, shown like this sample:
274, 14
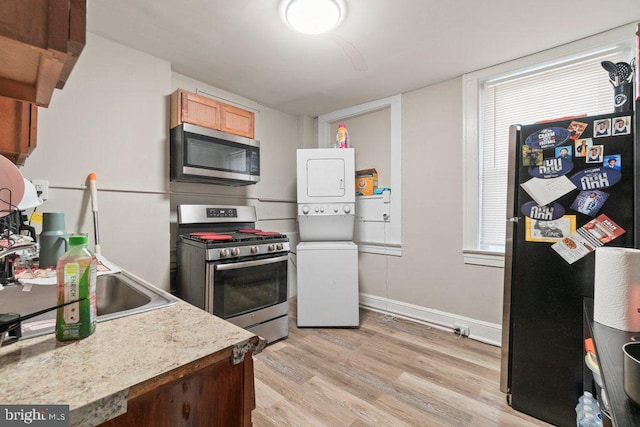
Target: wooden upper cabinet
188, 107
18, 129
237, 121
40, 42
194, 109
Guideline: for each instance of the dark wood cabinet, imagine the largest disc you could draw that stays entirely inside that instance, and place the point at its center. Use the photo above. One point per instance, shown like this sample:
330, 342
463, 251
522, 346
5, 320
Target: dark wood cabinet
18, 129
40, 42
209, 392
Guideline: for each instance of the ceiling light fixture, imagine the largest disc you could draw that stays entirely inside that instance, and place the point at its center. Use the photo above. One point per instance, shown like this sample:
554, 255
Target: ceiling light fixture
312, 16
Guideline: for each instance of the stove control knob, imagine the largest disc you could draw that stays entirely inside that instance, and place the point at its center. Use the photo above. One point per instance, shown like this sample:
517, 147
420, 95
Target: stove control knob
347, 208
305, 209
235, 251
271, 247
254, 249
224, 253
279, 246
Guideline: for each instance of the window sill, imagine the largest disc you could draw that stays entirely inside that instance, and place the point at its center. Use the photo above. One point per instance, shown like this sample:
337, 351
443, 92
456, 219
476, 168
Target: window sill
486, 258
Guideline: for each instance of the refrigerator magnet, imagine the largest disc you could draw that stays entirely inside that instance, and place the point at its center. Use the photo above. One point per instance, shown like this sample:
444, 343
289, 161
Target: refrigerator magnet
532, 156
612, 161
576, 128
549, 231
551, 168
582, 146
601, 128
595, 153
596, 178
564, 152
589, 202
594, 234
544, 213
622, 125
548, 137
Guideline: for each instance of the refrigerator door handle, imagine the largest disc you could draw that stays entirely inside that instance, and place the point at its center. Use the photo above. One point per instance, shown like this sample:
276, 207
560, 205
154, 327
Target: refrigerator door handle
514, 219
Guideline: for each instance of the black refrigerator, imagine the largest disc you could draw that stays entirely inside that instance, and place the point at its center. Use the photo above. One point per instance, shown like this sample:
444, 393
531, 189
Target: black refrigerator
572, 188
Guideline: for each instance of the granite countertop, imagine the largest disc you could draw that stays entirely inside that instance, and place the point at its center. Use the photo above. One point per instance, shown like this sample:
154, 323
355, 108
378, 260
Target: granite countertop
93, 376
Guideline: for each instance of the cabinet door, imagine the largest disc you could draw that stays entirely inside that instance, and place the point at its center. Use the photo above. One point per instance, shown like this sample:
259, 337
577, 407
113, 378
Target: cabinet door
199, 110
18, 124
220, 394
237, 121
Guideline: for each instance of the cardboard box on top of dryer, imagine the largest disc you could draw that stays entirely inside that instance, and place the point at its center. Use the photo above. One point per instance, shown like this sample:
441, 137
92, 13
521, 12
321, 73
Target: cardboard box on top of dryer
366, 181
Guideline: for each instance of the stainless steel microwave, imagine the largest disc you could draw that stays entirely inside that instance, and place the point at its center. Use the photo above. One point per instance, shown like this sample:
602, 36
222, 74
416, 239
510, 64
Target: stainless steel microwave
205, 155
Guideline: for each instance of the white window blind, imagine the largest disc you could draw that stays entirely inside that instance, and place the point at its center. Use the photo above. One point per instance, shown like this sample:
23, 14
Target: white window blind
565, 89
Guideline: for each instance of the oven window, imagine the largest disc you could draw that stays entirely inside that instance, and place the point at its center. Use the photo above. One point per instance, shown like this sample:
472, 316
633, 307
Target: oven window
216, 155
246, 289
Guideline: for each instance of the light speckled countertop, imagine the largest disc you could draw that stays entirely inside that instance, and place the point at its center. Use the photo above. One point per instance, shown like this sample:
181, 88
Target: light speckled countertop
93, 375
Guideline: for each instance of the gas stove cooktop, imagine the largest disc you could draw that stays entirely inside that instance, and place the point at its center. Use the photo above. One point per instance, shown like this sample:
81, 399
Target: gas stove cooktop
227, 232
240, 236
219, 246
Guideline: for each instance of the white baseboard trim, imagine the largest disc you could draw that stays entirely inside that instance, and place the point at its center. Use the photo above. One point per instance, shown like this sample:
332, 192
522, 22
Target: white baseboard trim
489, 333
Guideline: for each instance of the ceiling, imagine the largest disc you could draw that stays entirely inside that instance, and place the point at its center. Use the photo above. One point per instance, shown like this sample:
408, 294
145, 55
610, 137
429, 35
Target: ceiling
382, 48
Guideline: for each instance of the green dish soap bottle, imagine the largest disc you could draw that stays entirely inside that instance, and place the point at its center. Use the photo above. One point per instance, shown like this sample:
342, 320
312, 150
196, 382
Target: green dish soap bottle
76, 272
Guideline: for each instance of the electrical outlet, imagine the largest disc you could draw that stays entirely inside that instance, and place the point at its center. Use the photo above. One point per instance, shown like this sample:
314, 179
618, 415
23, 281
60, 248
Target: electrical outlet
460, 329
42, 188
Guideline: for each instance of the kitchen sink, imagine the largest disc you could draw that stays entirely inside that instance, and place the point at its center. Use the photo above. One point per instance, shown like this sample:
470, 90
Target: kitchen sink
117, 295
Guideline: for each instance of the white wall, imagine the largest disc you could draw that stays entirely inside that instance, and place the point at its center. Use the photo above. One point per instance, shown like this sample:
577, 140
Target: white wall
370, 136
111, 119
430, 281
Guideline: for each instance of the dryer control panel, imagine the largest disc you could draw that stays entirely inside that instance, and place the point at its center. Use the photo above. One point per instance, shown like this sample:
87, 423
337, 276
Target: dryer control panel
327, 209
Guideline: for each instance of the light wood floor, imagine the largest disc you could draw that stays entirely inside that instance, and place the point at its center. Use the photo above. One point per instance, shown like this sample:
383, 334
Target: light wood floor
386, 373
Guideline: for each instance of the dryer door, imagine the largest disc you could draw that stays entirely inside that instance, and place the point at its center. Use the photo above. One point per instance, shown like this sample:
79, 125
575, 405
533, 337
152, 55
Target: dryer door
325, 177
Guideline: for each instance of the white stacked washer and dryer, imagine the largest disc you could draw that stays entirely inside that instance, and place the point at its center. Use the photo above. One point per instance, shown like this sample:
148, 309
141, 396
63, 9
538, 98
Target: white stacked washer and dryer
327, 258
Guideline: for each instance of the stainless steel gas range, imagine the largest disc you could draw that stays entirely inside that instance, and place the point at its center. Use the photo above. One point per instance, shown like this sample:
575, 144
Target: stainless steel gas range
232, 270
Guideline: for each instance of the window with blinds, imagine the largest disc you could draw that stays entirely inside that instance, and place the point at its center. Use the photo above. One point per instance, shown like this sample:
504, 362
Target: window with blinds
564, 89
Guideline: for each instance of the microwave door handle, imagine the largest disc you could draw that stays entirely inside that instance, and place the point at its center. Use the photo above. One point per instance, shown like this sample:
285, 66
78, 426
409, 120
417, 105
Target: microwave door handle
245, 264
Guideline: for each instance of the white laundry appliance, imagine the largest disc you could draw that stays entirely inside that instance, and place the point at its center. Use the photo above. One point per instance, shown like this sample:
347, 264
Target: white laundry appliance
327, 258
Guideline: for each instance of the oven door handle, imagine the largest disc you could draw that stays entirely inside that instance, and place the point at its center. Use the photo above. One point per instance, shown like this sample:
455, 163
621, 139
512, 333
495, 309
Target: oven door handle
245, 264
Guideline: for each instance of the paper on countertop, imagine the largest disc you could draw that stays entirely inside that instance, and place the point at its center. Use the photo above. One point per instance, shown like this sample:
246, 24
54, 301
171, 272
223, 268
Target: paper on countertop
47, 276
545, 191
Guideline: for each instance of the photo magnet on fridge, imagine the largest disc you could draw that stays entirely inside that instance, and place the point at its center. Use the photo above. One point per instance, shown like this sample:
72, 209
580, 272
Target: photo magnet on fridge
564, 152
595, 153
532, 156
549, 231
582, 146
589, 202
613, 161
622, 125
576, 128
601, 128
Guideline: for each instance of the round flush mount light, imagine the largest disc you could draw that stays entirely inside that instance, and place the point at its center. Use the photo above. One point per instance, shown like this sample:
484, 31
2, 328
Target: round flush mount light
312, 16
